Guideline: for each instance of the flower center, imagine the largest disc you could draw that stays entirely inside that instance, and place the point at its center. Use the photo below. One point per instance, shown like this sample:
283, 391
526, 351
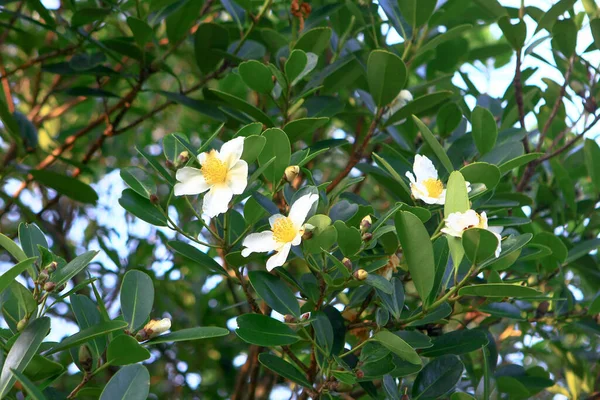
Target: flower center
434, 187
213, 169
283, 230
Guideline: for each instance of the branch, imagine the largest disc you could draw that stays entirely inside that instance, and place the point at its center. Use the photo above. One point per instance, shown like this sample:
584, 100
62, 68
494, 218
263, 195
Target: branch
358, 152
519, 98
570, 143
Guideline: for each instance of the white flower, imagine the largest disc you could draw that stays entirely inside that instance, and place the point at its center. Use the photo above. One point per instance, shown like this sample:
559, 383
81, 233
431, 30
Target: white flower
285, 232
458, 222
403, 98
222, 173
426, 186
157, 326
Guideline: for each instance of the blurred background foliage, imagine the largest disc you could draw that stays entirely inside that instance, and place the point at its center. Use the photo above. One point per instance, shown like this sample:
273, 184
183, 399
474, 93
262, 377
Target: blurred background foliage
91, 88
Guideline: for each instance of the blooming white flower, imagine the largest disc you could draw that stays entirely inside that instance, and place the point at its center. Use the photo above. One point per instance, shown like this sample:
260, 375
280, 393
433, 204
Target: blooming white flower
458, 222
222, 173
424, 184
403, 98
285, 232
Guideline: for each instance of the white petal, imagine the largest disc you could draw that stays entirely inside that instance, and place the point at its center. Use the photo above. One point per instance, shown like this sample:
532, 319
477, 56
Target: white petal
261, 242
231, 151
202, 157
457, 222
424, 169
301, 207
410, 177
237, 177
468, 184
274, 218
495, 229
216, 201
483, 221
499, 248
297, 240
279, 258
191, 181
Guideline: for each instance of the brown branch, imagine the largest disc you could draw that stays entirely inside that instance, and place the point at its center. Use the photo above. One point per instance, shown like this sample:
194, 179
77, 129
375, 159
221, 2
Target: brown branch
6, 87
519, 98
570, 143
358, 152
40, 59
556, 106
12, 21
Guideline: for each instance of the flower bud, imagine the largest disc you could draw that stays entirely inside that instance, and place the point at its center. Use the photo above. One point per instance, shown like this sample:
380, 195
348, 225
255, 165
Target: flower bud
154, 199
22, 324
62, 287
542, 309
52, 267
365, 224
305, 316
43, 276
169, 164
157, 326
289, 318
361, 274
360, 374
347, 263
85, 358
405, 397
291, 172
49, 286
367, 236
183, 157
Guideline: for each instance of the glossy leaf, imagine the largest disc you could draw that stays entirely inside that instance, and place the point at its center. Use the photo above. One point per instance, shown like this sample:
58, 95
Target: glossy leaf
275, 293
386, 74
263, 330
131, 382
137, 298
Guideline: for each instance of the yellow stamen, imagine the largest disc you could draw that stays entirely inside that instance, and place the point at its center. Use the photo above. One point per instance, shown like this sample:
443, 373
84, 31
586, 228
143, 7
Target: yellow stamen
213, 169
284, 231
434, 187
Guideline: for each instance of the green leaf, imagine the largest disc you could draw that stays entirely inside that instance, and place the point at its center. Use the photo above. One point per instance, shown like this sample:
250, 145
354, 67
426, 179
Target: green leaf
518, 161
395, 175
481, 172
243, 106
301, 128
22, 351
444, 37
256, 76
349, 239
515, 34
594, 307
379, 283
9, 276
438, 150
448, 119
437, 314
253, 146
138, 180
34, 392
457, 342
124, 350
263, 330
393, 302
180, 21
12, 248
63, 274
564, 37
417, 12
492, 7
386, 74
131, 382
396, 345
548, 239
183, 335
418, 251
192, 253
437, 378
17, 303
457, 200
499, 290
283, 368
275, 292
485, 130
479, 244
210, 41
549, 18
581, 249
87, 315
87, 15
30, 237
421, 105
315, 40
278, 145
565, 183
142, 208
591, 151
295, 64
142, 32
595, 28
137, 298
157, 167
85, 335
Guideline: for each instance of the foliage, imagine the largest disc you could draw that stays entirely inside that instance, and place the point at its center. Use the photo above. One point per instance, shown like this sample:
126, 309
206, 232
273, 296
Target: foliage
441, 242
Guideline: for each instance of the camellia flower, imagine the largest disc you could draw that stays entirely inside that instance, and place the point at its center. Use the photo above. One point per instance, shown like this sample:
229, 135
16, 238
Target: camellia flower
424, 184
285, 232
458, 222
403, 98
222, 173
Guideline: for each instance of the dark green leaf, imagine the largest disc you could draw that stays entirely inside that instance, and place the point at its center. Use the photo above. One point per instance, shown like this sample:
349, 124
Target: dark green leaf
499, 290
283, 368
137, 298
438, 378
397, 346
386, 74
275, 293
124, 350
85, 335
263, 330
457, 343
256, 76
63, 274
434, 144
485, 130
479, 244
131, 382
192, 253
141, 208
197, 333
